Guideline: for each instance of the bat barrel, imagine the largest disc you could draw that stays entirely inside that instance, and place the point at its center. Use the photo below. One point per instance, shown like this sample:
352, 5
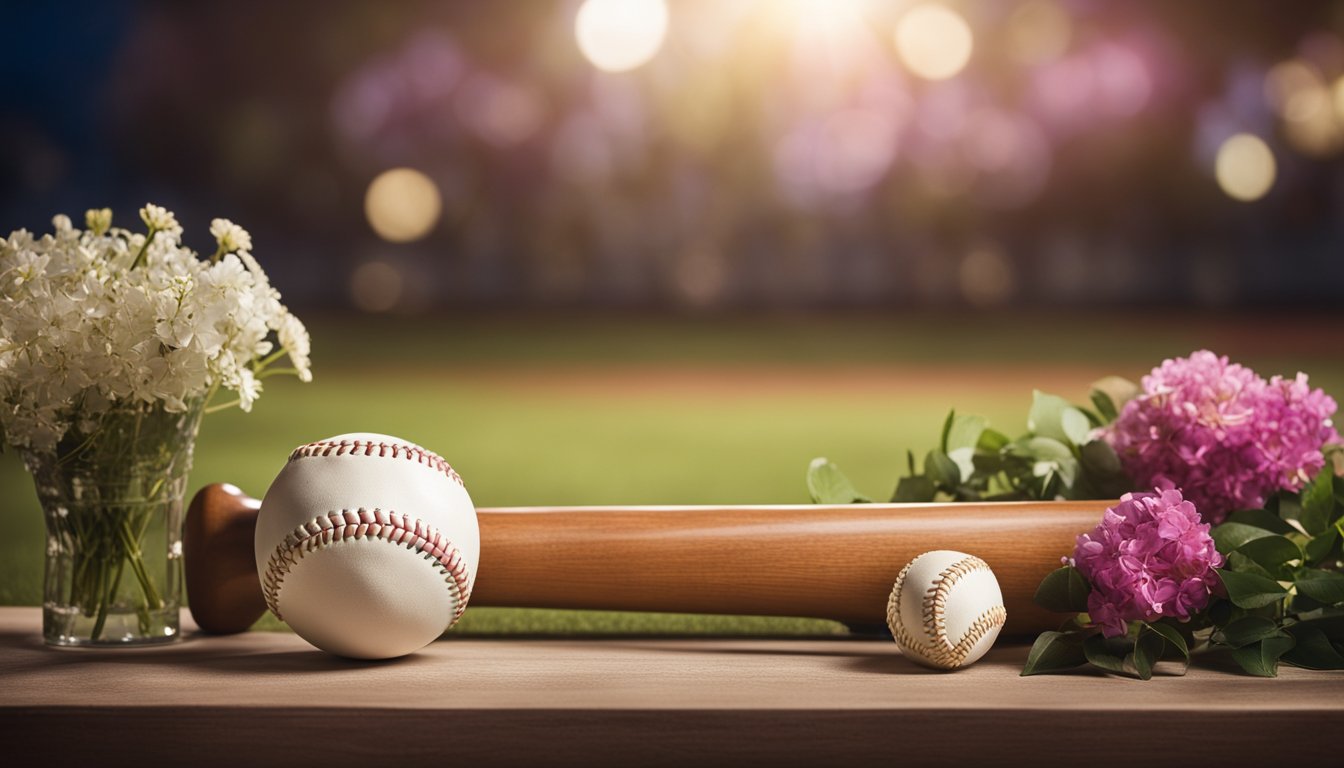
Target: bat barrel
835, 562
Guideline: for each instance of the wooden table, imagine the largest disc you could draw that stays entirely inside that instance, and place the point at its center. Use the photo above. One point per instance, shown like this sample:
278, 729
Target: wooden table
270, 698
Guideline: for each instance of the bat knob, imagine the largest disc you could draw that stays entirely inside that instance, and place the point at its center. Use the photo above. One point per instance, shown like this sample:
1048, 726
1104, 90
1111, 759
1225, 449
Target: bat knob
220, 567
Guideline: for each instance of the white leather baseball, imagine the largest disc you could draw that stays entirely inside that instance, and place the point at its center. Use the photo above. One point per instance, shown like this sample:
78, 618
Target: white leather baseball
946, 609
367, 545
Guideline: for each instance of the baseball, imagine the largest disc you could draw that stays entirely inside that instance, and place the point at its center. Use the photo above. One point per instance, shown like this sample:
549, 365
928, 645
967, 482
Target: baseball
367, 545
946, 609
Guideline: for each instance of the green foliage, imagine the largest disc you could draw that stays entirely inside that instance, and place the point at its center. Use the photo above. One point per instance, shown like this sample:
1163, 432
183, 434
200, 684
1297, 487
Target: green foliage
1282, 599
1064, 590
1056, 457
1055, 652
828, 485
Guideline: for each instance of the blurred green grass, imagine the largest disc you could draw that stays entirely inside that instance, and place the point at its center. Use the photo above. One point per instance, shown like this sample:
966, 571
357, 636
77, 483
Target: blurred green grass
656, 411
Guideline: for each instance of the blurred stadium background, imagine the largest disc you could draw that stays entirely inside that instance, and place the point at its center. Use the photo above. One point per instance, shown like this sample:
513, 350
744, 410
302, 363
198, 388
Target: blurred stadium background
640, 251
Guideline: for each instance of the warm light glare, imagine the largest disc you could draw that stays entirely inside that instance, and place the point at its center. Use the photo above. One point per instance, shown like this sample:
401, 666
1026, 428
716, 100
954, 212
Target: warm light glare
933, 41
1038, 32
619, 35
376, 286
402, 205
1296, 91
1245, 167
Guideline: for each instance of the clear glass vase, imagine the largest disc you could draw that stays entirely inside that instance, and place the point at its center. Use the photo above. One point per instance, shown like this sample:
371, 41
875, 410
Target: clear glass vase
112, 498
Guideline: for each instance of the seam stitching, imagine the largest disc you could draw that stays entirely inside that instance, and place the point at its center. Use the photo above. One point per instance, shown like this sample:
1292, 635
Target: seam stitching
369, 448
332, 528
936, 646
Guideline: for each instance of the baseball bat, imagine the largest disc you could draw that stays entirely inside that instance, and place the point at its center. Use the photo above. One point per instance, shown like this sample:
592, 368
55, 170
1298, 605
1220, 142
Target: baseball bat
820, 561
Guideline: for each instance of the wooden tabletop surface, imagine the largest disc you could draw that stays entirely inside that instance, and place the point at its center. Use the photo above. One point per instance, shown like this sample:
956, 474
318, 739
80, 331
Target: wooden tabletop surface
271, 698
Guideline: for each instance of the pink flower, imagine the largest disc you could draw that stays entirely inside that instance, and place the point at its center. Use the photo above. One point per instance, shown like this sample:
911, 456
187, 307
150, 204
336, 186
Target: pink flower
1151, 557
1225, 436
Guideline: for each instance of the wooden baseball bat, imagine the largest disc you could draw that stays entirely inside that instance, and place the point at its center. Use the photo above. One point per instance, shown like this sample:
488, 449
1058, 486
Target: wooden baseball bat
821, 561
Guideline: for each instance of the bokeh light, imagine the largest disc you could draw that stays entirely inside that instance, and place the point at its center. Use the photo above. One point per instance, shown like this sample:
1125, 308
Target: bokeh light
985, 276
376, 286
1038, 31
1296, 90
1245, 167
402, 205
501, 112
620, 35
933, 41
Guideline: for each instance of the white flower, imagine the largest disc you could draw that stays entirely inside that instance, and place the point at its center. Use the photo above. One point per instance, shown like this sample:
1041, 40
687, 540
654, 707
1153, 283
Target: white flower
160, 219
249, 389
98, 220
294, 338
231, 237
95, 318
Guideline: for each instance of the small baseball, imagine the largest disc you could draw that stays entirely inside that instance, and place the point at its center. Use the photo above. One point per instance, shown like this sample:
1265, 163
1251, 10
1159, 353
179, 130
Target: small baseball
946, 609
367, 545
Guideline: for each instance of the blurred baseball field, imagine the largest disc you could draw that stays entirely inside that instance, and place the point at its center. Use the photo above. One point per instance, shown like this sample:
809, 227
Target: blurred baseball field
634, 410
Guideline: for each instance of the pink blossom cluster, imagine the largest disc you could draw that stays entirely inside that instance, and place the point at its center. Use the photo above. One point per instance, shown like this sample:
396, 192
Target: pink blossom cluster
1222, 434
1151, 557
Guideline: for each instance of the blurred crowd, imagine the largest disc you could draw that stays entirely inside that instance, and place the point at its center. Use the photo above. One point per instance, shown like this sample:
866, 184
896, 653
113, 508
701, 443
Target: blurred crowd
421, 156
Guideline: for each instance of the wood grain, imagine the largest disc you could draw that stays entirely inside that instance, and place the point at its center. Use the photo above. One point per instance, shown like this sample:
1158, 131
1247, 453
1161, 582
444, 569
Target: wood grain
835, 562
271, 699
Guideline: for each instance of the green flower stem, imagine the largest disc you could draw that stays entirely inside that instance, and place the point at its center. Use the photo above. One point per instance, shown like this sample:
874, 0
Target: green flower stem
133, 556
104, 600
144, 249
222, 406
258, 365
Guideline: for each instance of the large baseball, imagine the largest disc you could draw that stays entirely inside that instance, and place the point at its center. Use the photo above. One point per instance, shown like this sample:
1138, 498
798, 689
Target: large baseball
946, 609
367, 545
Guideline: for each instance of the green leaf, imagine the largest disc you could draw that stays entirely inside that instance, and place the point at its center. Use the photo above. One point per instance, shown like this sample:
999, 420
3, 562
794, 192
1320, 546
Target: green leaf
1322, 548
1051, 416
1229, 537
1250, 590
1322, 586
1104, 404
1260, 518
1077, 427
1108, 654
1262, 659
828, 485
1173, 637
992, 441
1099, 458
915, 489
1247, 630
1116, 390
1243, 564
941, 470
1047, 456
1147, 651
1055, 651
1318, 502
961, 436
1313, 649
1274, 553
947, 427
1063, 590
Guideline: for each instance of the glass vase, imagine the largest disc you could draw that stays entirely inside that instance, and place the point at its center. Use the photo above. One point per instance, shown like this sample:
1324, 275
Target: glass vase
111, 494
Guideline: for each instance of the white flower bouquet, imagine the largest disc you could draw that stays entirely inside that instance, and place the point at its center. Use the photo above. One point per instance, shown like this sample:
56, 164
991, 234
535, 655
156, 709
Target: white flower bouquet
112, 345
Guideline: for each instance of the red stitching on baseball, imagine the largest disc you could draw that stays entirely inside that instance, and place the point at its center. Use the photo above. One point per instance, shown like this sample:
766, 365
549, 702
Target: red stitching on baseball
943, 653
352, 524
367, 448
